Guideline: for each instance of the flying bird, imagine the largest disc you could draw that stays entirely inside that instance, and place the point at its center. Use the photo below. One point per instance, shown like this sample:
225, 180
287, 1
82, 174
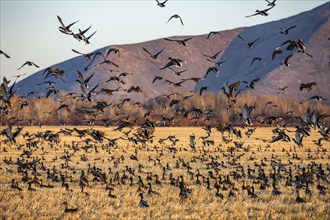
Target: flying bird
212, 33
82, 81
309, 86
213, 57
256, 59
65, 29
271, 3
155, 55
89, 56
181, 42
262, 12
213, 69
248, 44
175, 16
316, 98
113, 50
29, 63
286, 31
251, 84
173, 62
161, 4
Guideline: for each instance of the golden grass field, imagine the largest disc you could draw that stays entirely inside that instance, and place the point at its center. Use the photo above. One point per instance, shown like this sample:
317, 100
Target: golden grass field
94, 202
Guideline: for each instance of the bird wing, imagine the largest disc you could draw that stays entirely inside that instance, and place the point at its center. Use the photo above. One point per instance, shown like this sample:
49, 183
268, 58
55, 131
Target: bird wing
80, 76
60, 20
252, 15
21, 66
291, 27
87, 80
148, 51
35, 65
240, 37
255, 80
71, 24
180, 20
255, 40
287, 59
91, 35
159, 52
6, 55
77, 52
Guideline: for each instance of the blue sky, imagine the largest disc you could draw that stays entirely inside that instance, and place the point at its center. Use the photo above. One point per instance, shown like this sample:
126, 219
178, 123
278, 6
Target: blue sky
29, 29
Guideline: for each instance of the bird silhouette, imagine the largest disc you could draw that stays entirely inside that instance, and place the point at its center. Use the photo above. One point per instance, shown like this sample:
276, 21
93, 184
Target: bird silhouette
248, 44
177, 17
29, 63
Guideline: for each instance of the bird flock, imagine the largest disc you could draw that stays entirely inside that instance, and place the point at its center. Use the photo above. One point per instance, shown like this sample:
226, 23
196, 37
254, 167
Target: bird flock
219, 169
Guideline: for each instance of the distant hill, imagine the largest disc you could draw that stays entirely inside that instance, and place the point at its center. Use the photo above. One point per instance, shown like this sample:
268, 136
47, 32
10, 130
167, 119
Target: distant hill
313, 27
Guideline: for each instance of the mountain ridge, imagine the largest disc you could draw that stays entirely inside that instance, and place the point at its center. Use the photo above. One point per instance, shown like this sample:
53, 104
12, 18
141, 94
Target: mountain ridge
134, 60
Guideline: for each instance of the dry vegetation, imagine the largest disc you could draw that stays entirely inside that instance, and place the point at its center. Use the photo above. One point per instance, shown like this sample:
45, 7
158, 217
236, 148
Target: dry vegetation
45, 111
65, 160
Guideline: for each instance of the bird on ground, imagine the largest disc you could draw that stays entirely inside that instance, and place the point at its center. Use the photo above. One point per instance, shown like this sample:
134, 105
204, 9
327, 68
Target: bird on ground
155, 55
67, 209
298, 198
248, 44
29, 63
6, 55
143, 203
175, 16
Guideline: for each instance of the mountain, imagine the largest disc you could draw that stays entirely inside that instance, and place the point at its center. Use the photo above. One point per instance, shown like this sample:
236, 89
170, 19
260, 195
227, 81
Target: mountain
312, 27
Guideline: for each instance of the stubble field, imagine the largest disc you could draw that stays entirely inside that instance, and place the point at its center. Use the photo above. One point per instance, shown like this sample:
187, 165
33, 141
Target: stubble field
110, 185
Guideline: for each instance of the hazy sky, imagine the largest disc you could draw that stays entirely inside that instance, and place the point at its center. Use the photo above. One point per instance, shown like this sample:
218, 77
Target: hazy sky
29, 29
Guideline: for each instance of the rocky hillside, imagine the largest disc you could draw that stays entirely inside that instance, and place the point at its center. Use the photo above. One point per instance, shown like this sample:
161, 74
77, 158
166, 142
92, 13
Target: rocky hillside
312, 27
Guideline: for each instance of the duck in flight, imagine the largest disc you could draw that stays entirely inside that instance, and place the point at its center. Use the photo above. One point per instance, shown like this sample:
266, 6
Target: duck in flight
161, 4
181, 42
155, 55
65, 29
286, 31
262, 12
29, 63
175, 16
248, 44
